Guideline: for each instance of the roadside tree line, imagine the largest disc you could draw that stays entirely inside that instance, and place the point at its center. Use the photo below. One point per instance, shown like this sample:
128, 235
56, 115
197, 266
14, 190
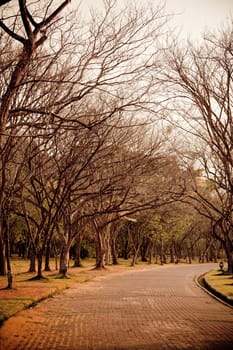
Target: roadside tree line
84, 136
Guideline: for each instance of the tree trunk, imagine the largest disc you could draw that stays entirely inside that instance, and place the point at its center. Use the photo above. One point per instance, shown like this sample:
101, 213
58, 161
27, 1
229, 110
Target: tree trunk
189, 255
164, 258
56, 261
172, 260
107, 249
47, 258
2, 257
135, 257
229, 255
77, 259
113, 250
8, 262
150, 249
144, 249
161, 257
126, 250
9, 280
177, 254
161, 251
56, 256
32, 267
39, 268
100, 252
64, 258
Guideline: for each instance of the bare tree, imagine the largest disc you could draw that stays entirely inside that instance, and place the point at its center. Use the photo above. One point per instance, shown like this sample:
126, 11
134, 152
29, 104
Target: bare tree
28, 33
199, 82
30, 38
77, 81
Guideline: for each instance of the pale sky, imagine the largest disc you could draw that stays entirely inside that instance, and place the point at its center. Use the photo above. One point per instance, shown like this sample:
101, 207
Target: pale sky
194, 15
198, 15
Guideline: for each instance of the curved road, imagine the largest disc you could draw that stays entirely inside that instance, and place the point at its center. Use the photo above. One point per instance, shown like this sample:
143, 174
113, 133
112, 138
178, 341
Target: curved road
160, 309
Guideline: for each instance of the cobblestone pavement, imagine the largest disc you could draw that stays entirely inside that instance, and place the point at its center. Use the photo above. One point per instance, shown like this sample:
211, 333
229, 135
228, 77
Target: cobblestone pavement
154, 309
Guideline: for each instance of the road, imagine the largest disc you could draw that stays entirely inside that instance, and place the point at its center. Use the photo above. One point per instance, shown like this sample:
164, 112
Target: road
162, 308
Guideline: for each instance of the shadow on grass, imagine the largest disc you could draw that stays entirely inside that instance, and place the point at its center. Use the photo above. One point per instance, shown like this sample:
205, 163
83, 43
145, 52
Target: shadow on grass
38, 278
62, 277
7, 288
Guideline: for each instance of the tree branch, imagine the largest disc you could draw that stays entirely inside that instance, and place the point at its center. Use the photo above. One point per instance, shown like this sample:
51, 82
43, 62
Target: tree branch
23, 11
53, 15
11, 33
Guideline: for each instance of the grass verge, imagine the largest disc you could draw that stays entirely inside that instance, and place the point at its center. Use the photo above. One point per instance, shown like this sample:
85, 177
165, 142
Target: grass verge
220, 284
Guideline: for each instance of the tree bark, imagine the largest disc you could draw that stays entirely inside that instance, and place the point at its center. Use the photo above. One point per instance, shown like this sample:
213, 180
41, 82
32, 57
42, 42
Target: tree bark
47, 258
2, 257
229, 255
100, 252
114, 251
32, 267
39, 267
64, 258
107, 247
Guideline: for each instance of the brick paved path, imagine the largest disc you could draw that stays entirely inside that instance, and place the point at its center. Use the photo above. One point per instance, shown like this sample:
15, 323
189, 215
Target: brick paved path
150, 309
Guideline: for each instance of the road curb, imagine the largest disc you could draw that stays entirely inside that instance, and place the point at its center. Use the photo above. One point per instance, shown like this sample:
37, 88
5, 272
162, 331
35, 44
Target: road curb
205, 286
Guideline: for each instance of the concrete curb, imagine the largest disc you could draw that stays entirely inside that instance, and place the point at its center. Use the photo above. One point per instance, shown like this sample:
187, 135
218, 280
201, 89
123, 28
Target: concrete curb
206, 287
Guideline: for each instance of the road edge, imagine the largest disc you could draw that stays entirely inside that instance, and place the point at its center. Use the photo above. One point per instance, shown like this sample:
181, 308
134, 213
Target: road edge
207, 288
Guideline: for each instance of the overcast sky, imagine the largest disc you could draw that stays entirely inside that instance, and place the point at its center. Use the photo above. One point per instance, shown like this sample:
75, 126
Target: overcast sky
194, 15
198, 15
